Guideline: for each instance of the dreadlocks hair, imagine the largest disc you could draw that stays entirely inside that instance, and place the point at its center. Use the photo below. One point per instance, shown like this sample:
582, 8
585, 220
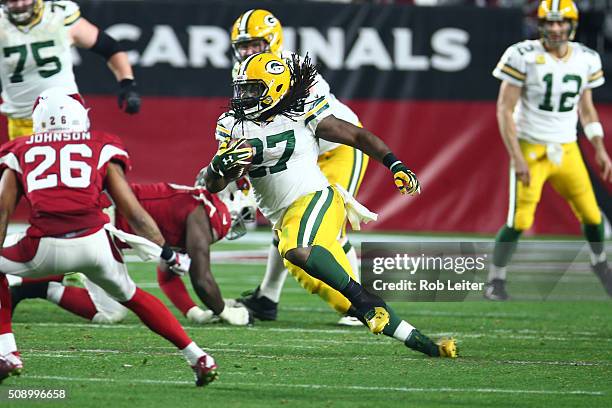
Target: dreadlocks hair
303, 73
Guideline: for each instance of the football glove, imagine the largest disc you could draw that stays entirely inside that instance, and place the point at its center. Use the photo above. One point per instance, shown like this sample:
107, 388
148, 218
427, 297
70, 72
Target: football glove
236, 316
176, 262
405, 180
128, 97
232, 153
181, 265
199, 316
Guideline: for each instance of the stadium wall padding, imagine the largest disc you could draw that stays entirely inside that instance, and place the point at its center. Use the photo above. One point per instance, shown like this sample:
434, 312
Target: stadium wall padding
417, 77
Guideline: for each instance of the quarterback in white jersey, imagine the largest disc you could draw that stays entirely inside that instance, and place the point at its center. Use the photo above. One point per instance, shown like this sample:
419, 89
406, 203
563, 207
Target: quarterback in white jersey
272, 129
257, 31
35, 54
548, 108
546, 87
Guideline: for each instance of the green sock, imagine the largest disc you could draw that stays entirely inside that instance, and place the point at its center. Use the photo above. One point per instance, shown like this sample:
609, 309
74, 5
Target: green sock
394, 321
419, 342
594, 234
322, 265
505, 245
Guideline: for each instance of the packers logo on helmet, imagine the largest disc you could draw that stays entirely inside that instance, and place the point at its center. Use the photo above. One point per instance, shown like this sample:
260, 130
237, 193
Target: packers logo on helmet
254, 25
557, 10
262, 81
23, 13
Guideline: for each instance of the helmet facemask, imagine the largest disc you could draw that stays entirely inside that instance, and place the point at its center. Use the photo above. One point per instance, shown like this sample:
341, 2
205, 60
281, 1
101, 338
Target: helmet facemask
566, 36
238, 197
244, 48
250, 99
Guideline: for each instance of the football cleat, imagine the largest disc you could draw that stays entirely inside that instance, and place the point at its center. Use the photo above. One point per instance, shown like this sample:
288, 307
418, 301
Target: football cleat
376, 319
205, 371
260, 307
10, 365
447, 347
496, 290
349, 321
603, 272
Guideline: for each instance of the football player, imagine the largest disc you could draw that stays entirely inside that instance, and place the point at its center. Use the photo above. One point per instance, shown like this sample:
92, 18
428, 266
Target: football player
35, 41
61, 170
260, 31
546, 87
190, 219
271, 121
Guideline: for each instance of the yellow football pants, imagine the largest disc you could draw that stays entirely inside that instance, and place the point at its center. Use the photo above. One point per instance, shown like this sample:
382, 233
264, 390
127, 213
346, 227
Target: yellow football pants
570, 179
19, 127
316, 219
346, 166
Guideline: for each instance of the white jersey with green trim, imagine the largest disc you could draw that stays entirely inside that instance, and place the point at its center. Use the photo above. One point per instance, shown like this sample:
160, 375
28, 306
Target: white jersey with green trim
36, 57
321, 88
284, 165
548, 109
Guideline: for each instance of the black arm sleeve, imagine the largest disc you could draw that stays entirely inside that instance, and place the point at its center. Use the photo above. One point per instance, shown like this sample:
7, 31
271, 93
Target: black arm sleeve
106, 46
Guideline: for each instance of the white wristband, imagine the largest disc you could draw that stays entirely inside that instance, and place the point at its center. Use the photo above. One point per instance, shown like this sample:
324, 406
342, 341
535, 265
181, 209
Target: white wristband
593, 129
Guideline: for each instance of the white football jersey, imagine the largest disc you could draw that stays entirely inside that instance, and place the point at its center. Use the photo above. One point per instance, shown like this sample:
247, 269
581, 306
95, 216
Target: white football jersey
321, 89
284, 166
548, 109
36, 57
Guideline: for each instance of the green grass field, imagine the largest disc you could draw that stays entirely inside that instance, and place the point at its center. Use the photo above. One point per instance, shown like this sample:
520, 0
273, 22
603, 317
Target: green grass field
512, 354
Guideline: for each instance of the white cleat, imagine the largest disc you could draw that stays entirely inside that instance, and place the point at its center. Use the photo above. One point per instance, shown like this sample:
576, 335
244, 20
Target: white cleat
349, 321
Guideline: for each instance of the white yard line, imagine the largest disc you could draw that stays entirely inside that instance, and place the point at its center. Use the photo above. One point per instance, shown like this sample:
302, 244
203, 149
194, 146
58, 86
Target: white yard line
170, 351
274, 385
217, 327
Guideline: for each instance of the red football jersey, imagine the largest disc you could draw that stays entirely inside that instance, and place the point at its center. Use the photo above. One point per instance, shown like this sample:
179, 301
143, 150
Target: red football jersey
62, 176
171, 204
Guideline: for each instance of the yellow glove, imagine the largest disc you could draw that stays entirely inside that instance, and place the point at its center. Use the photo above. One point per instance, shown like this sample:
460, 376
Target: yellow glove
232, 153
405, 180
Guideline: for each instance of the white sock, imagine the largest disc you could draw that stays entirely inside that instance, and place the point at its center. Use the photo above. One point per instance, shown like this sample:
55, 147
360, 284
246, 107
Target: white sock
403, 331
497, 272
352, 257
597, 258
55, 291
7, 344
274, 279
192, 353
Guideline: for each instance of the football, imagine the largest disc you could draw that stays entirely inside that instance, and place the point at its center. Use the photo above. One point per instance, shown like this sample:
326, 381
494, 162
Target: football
241, 168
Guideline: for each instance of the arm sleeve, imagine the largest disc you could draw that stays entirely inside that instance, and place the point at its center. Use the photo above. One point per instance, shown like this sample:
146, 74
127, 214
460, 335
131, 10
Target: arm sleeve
9, 160
316, 111
70, 10
596, 74
223, 128
113, 150
511, 67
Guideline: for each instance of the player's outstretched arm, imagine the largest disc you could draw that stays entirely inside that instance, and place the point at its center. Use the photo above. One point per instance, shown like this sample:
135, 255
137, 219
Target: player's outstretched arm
128, 205
86, 35
198, 240
10, 192
595, 133
340, 131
